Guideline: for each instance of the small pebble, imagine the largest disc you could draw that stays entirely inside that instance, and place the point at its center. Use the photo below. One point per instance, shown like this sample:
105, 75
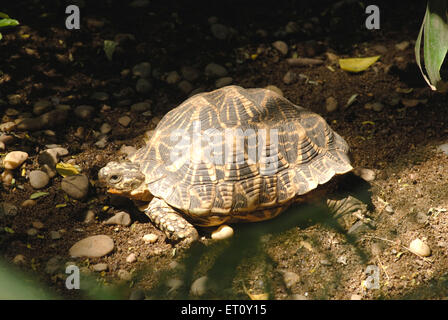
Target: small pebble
290, 278
121, 218
143, 86
76, 186
41, 106
124, 275
366, 174
32, 232
131, 258
84, 112
99, 267
389, 209
124, 121
28, 203
92, 247
150, 238
219, 31
185, 86
290, 77
89, 216
199, 286
281, 46
402, 45
174, 284
14, 159
223, 232
105, 128
215, 70
55, 235
140, 107
100, 96
19, 259
222, 82
189, 73
8, 126
7, 177
331, 104
443, 148
37, 224
142, 70
298, 297
356, 297
38, 179
420, 248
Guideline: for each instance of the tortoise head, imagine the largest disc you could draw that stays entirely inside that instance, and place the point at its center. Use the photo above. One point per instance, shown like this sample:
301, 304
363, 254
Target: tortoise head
125, 179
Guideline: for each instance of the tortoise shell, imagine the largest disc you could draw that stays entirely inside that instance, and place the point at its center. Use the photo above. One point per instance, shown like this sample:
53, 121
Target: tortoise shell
239, 154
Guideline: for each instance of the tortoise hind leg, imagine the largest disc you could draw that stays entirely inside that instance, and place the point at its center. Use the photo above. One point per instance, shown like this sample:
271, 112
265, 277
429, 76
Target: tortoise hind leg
171, 222
349, 205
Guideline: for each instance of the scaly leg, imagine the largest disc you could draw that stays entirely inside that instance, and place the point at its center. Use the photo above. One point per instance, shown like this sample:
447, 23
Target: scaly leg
171, 222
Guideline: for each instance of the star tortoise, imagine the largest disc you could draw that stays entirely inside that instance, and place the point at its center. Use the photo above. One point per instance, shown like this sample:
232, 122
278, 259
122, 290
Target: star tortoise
229, 155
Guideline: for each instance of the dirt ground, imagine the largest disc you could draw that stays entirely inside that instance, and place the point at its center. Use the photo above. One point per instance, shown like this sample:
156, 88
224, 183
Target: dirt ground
302, 254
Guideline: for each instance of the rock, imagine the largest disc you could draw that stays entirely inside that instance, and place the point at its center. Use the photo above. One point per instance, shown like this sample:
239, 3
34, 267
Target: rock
375, 106
100, 267
14, 99
420, 248
124, 275
143, 86
331, 104
219, 31
364, 173
380, 48
76, 186
402, 45
6, 139
222, 82
7, 177
48, 159
189, 73
121, 218
54, 265
214, 70
10, 112
292, 27
8, 126
172, 77
89, 216
124, 121
42, 106
223, 232
185, 86
92, 247
131, 258
199, 286
290, 77
142, 70
8, 209
140, 107
174, 285
275, 89
84, 111
32, 232
281, 46
38, 179
19, 259
28, 203
37, 224
101, 144
290, 278
150, 238
356, 297
100, 96
14, 159
443, 148
105, 128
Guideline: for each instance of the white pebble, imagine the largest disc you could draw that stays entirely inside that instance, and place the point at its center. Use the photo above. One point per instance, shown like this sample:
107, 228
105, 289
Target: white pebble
131, 258
420, 248
223, 232
150, 238
199, 286
14, 159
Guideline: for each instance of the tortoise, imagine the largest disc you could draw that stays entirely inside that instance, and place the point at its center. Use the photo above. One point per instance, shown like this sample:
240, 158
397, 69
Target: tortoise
230, 155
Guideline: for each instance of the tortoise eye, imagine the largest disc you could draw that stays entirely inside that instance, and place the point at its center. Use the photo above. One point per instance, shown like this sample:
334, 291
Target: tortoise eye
115, 178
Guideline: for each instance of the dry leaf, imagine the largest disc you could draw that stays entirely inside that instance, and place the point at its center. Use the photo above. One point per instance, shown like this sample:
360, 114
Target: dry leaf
357, 64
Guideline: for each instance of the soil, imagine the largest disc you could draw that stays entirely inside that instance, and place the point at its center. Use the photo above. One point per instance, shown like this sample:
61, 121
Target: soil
41, 59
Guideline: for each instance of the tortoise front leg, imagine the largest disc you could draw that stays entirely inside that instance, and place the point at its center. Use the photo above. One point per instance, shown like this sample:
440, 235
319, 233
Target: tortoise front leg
171, 222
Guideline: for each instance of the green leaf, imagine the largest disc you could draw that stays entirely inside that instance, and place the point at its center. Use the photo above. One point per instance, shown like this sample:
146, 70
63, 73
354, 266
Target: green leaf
109, 48
434, 31
8, 23
4, 15
38, 195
